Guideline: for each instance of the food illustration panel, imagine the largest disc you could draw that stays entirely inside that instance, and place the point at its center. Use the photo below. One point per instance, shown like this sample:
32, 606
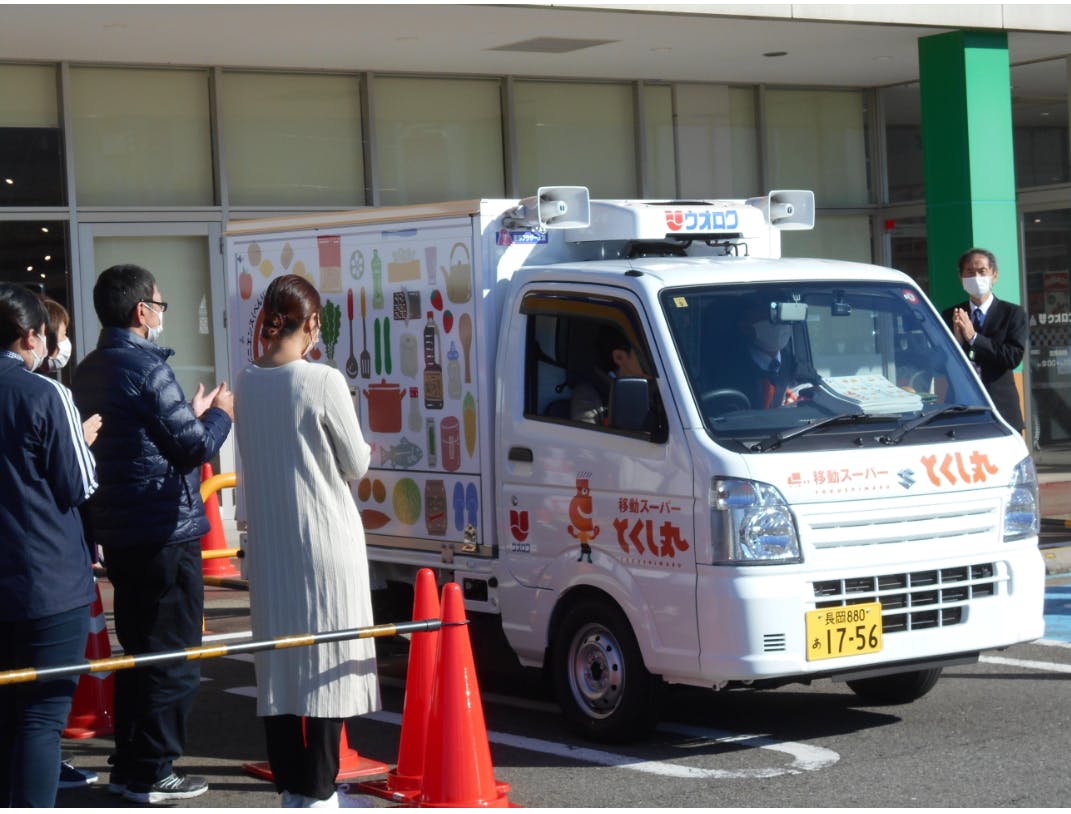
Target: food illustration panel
398, 319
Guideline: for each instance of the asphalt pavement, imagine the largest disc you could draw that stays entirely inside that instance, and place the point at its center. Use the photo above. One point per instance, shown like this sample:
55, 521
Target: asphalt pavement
225, 734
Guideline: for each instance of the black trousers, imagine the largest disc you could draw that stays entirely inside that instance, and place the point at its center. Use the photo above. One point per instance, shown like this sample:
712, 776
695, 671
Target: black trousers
159, 606
303, 753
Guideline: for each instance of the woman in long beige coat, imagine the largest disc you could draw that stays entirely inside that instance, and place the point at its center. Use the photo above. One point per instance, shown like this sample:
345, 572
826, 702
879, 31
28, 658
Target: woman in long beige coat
301, 445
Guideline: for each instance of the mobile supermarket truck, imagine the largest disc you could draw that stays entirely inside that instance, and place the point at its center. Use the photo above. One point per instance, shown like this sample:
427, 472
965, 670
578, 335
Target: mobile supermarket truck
871, 522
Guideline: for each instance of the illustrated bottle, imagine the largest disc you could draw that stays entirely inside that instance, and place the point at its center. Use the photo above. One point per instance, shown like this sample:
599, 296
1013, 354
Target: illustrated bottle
433, 370
415, 419
432, 458
377, 280
453, 373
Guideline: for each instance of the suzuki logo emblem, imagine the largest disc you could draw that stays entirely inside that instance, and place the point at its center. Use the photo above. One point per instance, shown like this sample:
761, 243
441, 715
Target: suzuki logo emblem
907, 478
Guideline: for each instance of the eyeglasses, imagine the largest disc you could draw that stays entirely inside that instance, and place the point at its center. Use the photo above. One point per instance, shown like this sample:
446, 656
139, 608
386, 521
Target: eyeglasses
163, 305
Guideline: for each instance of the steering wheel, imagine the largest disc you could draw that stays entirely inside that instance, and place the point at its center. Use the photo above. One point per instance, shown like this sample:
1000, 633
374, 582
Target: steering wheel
734, 400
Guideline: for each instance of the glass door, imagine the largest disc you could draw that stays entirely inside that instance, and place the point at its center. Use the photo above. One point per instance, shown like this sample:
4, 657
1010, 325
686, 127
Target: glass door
1047, 256
188, 267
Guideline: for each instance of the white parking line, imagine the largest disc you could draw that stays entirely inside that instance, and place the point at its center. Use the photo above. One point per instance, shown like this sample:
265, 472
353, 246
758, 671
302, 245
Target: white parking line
1047, 666
805, 757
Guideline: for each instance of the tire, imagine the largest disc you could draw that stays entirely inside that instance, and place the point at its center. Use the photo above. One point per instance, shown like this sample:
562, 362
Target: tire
899, 688
600, 680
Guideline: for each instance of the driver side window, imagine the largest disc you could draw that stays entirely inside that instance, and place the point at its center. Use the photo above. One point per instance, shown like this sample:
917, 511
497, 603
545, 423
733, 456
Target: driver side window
576, 349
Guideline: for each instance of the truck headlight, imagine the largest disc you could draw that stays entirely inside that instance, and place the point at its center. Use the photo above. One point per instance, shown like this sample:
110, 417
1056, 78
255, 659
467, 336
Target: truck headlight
751, 524
1021, 515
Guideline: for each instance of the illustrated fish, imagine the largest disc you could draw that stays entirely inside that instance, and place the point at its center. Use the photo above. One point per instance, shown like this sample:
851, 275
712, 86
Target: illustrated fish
402, 455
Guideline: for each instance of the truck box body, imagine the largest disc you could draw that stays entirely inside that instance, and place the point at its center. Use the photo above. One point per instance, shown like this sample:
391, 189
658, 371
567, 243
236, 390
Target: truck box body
879, 519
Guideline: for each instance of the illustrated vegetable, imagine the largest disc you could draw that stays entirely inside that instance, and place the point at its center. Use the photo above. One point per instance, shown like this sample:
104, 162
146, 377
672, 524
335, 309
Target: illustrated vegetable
330, 322
406, 501
245, 284
437, 300
448, 320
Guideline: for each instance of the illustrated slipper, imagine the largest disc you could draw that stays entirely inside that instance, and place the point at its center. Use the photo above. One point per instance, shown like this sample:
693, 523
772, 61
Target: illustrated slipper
472, 503
459, 506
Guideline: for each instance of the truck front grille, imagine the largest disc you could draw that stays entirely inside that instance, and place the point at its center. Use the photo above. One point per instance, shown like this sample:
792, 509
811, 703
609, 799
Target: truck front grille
914, 600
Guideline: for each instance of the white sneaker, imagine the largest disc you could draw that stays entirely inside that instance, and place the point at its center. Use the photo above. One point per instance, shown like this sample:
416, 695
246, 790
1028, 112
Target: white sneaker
330, 802
347, 800
291, 800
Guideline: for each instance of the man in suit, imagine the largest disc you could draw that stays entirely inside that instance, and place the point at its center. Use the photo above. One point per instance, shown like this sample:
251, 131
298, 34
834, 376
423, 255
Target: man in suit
992, 332
764, 368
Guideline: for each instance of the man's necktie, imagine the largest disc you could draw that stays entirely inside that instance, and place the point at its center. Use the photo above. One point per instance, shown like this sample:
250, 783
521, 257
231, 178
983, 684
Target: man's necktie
769, 388
976, 319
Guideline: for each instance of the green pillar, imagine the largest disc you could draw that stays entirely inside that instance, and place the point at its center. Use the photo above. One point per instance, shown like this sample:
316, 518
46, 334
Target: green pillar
968, 160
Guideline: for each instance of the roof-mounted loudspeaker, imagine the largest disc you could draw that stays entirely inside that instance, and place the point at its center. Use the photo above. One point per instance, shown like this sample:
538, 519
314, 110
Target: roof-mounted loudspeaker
787, 208
553, 208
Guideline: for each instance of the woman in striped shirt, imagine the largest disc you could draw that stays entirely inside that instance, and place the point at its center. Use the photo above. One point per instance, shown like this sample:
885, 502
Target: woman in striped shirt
46, 582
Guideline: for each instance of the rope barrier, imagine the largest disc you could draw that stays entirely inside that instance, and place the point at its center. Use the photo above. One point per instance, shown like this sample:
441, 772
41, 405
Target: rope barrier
213, 651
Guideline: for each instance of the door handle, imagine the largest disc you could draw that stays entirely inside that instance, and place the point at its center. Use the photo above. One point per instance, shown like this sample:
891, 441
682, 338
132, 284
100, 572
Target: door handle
520, 454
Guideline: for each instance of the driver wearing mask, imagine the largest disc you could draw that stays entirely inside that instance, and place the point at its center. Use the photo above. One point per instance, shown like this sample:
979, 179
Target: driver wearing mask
765, 370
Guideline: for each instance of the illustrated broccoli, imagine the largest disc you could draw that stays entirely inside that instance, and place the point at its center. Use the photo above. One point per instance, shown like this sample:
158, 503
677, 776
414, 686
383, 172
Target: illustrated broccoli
330, 322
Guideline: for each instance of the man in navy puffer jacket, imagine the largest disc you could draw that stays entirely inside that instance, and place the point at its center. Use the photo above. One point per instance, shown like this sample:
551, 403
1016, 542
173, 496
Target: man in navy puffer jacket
148, 517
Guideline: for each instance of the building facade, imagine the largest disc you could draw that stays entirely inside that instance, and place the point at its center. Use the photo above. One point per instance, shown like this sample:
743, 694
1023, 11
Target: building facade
135, 134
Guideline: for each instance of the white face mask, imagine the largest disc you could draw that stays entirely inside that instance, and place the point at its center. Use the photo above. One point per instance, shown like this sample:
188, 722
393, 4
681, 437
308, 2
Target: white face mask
63, 355
315, 337
37, 360
770, 337
154, 333
978, 287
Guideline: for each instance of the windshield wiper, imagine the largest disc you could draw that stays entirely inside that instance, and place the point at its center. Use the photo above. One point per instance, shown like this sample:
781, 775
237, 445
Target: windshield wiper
926, 418
777, 439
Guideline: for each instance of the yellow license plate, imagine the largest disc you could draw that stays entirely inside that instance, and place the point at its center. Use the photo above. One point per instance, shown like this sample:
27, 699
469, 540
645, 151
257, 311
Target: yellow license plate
852, 630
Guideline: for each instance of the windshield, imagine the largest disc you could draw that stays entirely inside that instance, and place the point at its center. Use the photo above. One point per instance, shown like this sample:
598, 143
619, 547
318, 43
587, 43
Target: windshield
767, 364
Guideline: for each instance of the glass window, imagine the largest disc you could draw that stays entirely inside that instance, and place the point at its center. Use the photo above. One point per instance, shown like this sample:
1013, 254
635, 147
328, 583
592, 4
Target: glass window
718, 141
141, 137
903, 142
1047, 245
840, 237
908, 250
438, 139
660, 153
31, 157
293, 140
1039, 118
817, 140
181, 268
582, 134
577, 351
827, 357
34, 253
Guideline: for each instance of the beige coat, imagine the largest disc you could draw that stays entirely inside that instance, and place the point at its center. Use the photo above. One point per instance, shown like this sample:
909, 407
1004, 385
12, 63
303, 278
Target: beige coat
300, 446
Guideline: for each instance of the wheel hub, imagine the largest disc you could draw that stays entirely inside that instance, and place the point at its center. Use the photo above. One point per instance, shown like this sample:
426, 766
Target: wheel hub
598, 674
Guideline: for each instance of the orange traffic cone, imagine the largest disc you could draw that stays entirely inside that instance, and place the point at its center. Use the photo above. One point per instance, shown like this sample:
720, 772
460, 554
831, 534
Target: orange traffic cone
214, 540
457, 762
351, 765
94, 699
403, 782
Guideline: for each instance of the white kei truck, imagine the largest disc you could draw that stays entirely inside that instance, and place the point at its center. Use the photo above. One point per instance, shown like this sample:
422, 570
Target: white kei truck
861, 514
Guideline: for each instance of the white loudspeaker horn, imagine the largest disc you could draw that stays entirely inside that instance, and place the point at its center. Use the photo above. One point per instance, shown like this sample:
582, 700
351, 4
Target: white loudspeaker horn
553, 208
787, 209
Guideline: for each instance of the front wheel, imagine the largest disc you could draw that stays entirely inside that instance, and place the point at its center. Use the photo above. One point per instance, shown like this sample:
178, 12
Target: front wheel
899, 688
600, 680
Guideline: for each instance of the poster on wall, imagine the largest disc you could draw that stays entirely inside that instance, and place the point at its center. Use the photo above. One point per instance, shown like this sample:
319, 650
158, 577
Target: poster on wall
397, 320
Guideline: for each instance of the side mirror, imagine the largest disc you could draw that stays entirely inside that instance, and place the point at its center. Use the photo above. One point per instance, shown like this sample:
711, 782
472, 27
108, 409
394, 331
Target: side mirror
630, 404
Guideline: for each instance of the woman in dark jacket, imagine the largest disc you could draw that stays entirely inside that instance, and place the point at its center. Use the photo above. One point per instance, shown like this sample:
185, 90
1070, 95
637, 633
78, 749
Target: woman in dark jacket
46, 583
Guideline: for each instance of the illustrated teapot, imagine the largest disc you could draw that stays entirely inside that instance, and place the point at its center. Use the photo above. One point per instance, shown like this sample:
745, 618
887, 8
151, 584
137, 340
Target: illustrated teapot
384, 406
459, 276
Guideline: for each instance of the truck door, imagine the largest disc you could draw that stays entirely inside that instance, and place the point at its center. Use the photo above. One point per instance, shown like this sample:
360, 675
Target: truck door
584, 502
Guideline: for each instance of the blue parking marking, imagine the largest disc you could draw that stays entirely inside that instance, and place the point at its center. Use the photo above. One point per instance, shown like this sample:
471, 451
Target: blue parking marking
1058, 612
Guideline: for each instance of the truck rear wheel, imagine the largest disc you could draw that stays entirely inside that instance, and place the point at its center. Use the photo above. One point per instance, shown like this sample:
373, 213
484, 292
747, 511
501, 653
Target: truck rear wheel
600, 680
899, 688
